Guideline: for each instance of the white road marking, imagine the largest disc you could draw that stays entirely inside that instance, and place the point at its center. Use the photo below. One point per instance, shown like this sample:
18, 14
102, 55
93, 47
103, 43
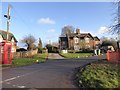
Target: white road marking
21, 86
16, 86
10, 79
13, 78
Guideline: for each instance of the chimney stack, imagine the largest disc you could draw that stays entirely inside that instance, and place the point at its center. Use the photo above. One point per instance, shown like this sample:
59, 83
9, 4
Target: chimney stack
78, 31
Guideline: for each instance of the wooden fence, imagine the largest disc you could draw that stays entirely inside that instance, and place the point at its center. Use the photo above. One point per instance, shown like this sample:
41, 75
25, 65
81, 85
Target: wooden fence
25, 54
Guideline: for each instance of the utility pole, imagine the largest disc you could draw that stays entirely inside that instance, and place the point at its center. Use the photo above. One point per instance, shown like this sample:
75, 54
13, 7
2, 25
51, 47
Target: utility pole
8, 21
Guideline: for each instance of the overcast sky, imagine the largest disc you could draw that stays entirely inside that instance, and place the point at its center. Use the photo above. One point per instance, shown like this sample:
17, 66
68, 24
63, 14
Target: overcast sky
45, 20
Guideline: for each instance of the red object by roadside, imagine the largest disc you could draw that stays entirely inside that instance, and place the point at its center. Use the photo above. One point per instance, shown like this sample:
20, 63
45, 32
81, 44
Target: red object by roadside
6, 52
113, 56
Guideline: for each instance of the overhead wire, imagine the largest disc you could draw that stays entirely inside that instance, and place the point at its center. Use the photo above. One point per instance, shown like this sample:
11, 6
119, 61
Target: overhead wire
18, 16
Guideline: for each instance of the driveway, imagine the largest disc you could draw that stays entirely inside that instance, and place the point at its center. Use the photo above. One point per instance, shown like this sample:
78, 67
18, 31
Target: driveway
52, 74
54, 56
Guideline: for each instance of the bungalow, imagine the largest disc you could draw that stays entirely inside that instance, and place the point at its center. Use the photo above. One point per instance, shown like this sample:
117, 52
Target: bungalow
11, 38
78, 41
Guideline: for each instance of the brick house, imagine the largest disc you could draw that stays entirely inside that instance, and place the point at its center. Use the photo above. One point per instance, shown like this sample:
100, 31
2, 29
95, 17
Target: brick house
78, 41
96, 41
11, 38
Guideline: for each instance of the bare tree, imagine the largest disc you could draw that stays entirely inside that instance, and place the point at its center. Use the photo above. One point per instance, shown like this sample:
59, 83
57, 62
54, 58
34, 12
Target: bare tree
67, 30
115, 28
29, 41
108, 42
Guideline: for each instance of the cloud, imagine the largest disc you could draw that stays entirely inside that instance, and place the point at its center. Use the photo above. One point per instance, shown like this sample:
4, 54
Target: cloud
103, 30
51, 30
46, 21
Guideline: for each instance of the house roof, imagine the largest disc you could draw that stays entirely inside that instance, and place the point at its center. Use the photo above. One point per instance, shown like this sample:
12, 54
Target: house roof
63, 38
86, 34
4, 35
82, 35
96, 38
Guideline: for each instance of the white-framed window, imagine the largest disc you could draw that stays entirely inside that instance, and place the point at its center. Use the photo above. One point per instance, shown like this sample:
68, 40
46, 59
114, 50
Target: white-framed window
76, 47
76, 40
1, 39
87, 40
12, 40
63, 43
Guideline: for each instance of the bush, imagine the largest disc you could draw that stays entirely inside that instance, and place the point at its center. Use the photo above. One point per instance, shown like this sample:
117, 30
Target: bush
44, 49
54, 50
51, 49
39, 50
86, 51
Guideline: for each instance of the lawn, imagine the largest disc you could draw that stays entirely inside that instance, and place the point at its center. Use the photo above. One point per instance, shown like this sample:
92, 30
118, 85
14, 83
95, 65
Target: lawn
76, 55
28, 61
101, 74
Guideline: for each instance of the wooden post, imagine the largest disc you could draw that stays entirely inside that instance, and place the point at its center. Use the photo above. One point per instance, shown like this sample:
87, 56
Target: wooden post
8, 22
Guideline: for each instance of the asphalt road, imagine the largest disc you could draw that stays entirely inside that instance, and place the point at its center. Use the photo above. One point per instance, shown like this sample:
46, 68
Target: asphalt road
52, 74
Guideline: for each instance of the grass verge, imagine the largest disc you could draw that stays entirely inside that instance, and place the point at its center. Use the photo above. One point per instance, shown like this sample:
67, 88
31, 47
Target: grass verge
16, 62
100, 74
76, 55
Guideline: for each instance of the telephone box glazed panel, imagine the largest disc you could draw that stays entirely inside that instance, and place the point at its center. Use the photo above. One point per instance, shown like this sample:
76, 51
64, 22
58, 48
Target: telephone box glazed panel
6, 50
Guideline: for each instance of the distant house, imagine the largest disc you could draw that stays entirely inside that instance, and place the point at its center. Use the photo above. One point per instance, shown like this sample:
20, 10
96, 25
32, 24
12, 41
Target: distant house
11, 38
78, 41
96, 41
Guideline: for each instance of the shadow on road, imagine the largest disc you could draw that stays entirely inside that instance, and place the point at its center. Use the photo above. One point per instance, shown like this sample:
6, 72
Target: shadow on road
101, 57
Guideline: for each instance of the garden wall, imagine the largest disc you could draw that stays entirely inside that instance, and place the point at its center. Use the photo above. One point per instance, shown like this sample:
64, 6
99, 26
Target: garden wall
113, 56
25, 54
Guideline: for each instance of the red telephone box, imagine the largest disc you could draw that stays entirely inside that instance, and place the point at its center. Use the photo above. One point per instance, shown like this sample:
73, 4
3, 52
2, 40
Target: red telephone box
6, 51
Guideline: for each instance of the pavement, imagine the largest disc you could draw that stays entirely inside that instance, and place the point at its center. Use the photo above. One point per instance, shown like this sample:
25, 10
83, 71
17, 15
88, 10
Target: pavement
51, 74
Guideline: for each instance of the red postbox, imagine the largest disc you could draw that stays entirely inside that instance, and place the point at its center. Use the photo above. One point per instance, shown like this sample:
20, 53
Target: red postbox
6, 52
